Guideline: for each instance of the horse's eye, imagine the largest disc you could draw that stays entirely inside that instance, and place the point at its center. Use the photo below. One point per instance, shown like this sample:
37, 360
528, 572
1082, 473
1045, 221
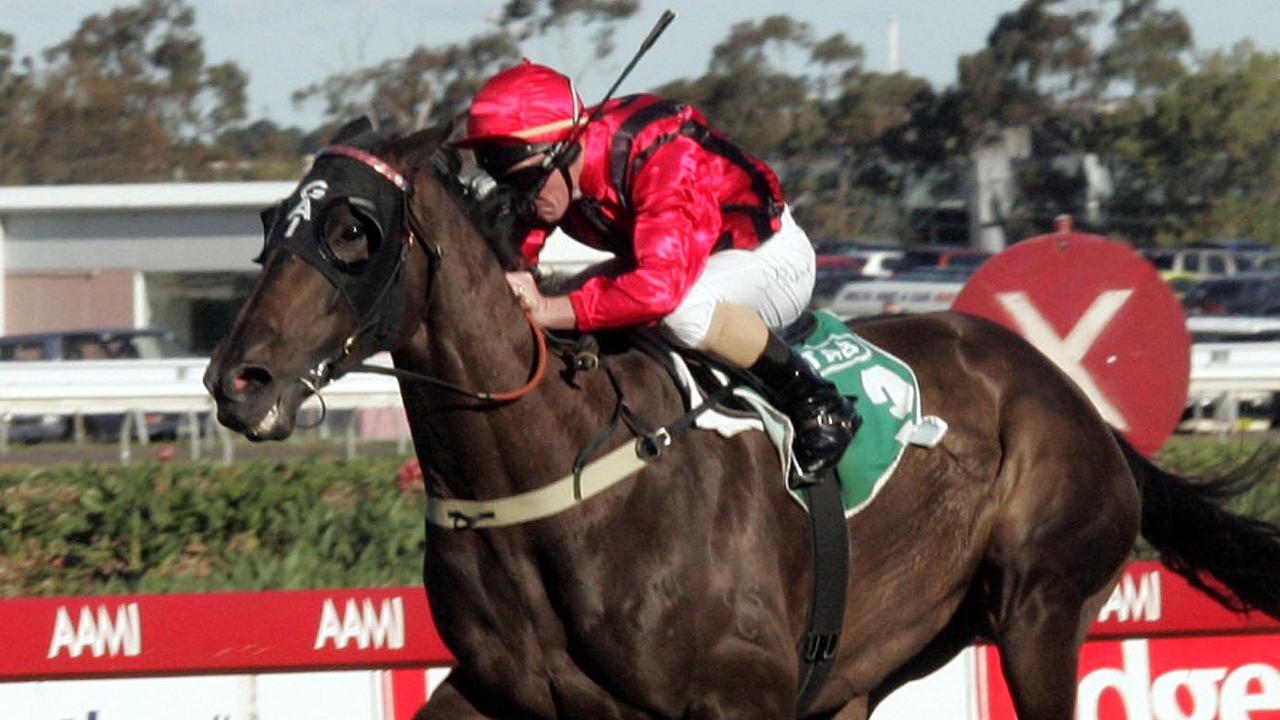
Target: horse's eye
349, 236
353, 233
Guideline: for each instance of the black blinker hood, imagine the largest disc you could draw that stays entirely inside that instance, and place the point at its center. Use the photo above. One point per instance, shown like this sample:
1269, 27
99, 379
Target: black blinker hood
372, 289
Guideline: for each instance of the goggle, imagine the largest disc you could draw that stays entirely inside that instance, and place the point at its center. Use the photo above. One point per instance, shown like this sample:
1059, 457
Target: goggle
526, 180
526, 183
496, 158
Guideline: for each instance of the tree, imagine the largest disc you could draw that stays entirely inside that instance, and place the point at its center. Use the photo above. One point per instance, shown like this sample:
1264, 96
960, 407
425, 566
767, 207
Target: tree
1149, 47
15, 136
1036, 67
127, 96
746, 91
524, 19
808, 106
862, 194
1199, 159
429, 85
1040, 71
256, 151
433, 84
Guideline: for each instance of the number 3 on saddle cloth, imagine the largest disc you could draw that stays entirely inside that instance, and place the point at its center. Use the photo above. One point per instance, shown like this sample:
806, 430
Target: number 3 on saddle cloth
888, 399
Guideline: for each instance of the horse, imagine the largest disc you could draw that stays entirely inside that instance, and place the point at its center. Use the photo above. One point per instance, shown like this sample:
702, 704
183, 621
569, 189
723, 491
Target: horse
681, 590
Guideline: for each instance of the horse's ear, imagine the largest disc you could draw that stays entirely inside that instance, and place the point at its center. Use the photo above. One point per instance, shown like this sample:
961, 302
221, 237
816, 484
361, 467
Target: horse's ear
352, 130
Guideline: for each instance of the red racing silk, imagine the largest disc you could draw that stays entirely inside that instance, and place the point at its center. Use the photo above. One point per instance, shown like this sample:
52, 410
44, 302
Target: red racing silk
662, 188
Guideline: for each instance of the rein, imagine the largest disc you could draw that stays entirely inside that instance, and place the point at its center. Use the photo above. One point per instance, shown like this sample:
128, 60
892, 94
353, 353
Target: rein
539, 372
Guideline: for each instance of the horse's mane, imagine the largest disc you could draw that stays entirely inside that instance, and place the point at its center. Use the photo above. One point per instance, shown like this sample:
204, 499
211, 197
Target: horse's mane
487, 207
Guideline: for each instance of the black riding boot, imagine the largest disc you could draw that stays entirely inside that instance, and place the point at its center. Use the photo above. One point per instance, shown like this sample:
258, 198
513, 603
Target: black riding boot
824, 420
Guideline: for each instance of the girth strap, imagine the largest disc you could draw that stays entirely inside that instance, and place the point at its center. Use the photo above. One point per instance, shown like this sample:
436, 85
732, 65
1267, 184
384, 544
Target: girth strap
830, 536
548, 500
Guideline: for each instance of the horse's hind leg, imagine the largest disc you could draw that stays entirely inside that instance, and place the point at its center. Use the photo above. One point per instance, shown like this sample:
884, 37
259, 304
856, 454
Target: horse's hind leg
1063, 535
1039, 638
1040, 652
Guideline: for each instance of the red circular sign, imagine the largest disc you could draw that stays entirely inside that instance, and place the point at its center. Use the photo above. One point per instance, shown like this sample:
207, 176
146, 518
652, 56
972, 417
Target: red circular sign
1099, 310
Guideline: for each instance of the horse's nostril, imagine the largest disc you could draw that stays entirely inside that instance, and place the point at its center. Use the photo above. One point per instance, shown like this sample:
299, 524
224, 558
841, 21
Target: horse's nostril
247, 377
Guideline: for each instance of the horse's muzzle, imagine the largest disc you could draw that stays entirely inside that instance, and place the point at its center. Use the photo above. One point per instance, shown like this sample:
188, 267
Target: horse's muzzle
252, 400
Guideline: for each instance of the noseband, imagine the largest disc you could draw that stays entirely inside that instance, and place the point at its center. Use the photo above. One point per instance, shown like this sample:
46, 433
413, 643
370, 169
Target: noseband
381, 315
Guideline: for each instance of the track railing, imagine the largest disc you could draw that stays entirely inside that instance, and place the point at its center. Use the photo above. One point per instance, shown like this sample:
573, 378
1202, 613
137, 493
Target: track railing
1222, 374
134, 388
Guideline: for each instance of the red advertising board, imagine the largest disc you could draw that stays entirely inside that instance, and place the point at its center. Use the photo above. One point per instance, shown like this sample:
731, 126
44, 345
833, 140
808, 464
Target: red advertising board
1099, 310
217, 632
1152, 601
1159, 651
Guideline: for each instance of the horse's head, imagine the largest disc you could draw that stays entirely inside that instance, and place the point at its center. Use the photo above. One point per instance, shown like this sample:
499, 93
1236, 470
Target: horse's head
336, 262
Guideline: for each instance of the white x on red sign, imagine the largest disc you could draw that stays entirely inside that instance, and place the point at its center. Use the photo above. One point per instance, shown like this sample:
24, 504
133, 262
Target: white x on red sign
1100, 311
1069, 352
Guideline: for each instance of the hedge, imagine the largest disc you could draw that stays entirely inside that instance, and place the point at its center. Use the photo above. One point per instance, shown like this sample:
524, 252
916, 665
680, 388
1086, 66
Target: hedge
196, 527
199, 527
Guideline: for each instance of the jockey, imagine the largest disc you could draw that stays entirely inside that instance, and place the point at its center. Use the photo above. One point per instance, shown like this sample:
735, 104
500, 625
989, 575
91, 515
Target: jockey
703, 242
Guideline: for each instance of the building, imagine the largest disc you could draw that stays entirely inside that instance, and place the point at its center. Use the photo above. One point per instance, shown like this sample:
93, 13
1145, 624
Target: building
173, 255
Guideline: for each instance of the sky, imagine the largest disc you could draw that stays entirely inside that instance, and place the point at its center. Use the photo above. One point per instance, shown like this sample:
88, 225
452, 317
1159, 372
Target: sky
284, 45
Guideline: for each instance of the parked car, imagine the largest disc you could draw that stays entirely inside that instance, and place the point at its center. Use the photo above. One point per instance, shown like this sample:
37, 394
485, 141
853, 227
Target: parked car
104, 344
29, 429
1266, 261
1181, 282
877, 261
1243, 245
910, 293
940, 257
1254, 293
954, 274
92, 344
1228, 329
1198, 261
832, 274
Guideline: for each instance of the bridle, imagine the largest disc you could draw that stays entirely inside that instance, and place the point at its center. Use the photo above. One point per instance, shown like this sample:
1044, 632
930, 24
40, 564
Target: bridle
331, 368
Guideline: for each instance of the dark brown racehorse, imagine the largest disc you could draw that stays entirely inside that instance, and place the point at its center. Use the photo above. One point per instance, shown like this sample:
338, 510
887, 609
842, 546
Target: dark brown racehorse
682, 591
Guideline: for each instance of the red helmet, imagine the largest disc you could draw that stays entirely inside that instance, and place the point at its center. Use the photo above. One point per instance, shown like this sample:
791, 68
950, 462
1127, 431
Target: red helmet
528, 103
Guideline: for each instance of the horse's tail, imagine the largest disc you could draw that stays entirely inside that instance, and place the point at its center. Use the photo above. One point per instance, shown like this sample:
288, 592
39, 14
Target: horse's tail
1233, 558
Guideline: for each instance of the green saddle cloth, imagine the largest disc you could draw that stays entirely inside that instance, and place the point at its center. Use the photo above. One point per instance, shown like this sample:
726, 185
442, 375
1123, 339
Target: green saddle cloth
888, 399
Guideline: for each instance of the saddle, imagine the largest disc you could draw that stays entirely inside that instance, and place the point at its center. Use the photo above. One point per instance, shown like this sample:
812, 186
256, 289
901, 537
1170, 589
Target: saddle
885, 389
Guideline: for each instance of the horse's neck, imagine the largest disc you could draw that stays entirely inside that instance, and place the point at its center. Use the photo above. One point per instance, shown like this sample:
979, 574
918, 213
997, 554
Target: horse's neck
474, 336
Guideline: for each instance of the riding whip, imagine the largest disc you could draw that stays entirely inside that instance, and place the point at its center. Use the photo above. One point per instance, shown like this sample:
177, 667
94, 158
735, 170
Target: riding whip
556, 155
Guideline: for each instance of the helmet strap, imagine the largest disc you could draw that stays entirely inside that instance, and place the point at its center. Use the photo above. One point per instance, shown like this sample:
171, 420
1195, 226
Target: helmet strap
563, 159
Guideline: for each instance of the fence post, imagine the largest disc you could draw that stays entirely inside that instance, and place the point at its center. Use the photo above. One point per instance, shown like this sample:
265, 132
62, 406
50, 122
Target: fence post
224, 435
402, 431
126, 423
1227, 414
352, 421
194, 429
140, 426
